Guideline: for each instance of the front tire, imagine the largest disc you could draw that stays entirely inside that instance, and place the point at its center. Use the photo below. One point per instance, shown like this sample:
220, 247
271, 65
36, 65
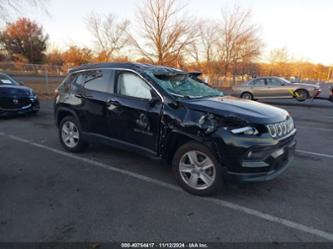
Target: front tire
197, 170
70, 135
301, 95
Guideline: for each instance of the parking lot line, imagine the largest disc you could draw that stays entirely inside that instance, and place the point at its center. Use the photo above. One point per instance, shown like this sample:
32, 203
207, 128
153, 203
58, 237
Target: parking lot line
18, 138
222, 203
314, 153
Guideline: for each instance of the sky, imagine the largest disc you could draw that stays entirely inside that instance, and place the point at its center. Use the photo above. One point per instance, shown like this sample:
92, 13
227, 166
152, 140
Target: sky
303, 27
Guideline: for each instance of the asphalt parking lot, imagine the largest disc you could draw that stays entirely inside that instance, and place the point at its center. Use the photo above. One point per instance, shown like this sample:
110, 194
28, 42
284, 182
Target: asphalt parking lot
106, 194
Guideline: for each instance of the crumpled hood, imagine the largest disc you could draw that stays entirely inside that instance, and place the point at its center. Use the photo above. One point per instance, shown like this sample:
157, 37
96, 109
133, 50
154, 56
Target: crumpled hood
249, 111
18, 91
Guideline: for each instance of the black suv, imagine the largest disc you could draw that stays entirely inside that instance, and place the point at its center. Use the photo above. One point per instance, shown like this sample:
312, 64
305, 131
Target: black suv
165, 113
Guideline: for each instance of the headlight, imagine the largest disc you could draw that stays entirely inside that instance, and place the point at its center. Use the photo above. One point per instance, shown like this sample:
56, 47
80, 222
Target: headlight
33, 94
248, 130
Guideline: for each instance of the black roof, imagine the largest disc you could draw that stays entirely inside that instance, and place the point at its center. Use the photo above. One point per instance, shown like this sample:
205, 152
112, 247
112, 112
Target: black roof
127, 65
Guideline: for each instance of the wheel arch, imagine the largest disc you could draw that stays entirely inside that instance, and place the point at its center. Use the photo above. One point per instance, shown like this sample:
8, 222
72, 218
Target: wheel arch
63, 112
175, 139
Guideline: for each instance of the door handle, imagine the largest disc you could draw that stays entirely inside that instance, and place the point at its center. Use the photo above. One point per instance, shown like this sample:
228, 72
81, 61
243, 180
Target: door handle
81, 95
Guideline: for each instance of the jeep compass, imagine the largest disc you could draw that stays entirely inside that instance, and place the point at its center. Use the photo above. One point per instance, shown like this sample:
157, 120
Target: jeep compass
165, 113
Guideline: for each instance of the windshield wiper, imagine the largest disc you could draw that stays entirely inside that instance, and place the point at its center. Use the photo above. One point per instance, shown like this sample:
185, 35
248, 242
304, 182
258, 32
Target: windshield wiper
180, 96
208, 96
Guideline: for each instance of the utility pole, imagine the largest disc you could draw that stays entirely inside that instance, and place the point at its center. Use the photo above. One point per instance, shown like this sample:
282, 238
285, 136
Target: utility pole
46, 79
31, 51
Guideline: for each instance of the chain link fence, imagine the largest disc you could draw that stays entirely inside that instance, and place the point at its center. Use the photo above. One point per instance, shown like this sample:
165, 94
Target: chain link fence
45, 78
42, 78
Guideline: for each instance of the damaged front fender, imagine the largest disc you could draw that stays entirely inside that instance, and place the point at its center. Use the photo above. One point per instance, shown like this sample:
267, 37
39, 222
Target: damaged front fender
181, 125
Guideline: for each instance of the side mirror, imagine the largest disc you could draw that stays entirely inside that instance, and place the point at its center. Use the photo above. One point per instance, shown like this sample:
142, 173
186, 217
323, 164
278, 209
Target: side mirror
21, 83
154, 100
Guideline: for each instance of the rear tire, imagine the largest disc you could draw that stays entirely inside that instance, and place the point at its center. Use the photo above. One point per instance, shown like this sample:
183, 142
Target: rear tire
197, 170
247, 95
70, 135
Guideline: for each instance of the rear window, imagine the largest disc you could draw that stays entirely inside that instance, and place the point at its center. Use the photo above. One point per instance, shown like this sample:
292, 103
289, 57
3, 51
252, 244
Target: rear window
66, 86
258, 83
98, 80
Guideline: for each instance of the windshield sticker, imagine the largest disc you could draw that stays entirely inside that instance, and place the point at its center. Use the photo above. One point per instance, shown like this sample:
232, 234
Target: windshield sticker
4, 81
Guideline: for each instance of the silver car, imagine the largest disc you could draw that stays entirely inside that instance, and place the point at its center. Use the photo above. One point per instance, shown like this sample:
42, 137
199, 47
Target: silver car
275, 87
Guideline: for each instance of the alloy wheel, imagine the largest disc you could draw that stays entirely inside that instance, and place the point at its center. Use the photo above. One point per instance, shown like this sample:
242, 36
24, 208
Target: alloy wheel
197, 170
70, 134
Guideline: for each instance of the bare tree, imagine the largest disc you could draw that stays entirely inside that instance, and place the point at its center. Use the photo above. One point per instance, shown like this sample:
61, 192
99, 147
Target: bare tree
279, 55
281, 63
164, 31
240, 42
204, 47
8, 7
111, 36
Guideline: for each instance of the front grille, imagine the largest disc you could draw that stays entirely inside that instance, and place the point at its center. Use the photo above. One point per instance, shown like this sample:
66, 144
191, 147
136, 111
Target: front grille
14, 103
281, 129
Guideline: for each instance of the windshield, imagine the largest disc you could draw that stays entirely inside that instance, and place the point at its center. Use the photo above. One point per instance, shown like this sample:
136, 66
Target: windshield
285, 81
182, 85
6, 80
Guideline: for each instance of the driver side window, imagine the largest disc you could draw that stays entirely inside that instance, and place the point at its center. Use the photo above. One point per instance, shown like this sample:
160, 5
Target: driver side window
129, 84
274, 82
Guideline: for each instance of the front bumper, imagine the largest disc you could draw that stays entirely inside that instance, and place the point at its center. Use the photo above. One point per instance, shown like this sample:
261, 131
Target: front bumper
257, 160
30, 108
271, 169
315, 93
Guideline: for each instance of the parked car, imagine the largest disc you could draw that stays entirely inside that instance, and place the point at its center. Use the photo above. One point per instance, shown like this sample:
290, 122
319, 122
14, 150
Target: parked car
16, 98
165, 114
275, 87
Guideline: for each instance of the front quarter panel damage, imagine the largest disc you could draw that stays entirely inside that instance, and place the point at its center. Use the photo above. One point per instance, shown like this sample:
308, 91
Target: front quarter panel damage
180, 125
